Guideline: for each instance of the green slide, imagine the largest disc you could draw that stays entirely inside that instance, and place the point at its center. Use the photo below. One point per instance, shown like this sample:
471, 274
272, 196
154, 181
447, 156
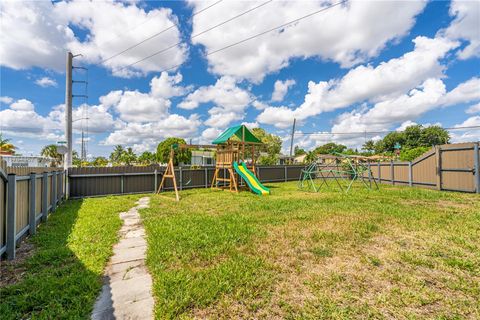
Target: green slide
250, 178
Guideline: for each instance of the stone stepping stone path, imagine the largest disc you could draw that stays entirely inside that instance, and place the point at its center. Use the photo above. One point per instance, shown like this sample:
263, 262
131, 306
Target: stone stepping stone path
127, 289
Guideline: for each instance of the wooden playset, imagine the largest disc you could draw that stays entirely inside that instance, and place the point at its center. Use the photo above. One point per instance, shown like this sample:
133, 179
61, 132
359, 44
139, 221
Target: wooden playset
231, 147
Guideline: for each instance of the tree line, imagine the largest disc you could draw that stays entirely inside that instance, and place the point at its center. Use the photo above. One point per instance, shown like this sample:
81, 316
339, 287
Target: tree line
414, 141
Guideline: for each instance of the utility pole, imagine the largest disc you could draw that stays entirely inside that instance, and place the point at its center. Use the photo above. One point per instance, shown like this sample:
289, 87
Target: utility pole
293, 136
68, 112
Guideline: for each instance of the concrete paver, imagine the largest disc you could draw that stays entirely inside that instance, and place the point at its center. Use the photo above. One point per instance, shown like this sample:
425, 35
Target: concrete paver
127, 289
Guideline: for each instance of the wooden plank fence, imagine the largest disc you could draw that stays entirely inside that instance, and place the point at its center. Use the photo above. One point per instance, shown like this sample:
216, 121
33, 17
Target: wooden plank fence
88, 182
27, 196
450, 167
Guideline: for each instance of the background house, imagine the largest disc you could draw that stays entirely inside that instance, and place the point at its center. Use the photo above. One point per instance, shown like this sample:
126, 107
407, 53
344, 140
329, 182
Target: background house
26, 161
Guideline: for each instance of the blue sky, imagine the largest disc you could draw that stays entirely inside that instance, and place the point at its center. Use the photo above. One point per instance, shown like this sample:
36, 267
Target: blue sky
359, 66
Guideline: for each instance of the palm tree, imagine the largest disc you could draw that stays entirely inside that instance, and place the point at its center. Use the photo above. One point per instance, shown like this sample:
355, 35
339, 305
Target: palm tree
128, 157
117, 154
50, 151
146, 158
6, 146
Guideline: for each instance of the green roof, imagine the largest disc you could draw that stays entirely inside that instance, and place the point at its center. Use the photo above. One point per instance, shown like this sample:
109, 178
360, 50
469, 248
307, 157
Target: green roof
236, 131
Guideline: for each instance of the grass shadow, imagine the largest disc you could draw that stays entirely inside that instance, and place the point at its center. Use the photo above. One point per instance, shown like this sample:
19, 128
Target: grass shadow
63, 276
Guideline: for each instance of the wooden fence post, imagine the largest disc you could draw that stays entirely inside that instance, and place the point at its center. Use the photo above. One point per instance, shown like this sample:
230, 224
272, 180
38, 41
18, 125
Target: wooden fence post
11, 215
369, 172
379, 172
477, 167
54, 190
44, 196
392, 172
285, 173
438, 166
32, 201
410, 174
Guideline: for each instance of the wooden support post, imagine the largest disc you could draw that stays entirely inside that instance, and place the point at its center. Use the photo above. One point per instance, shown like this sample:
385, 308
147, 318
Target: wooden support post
410, 174
379, 172
155, 181
369, 172
392, 172
285, 174
32, 201
438, 165
170, 173
11, 215
54, 190
477, 166
44, 196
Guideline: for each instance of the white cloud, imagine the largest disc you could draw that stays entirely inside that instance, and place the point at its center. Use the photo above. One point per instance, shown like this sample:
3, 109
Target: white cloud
146, 116
210, 134
347, 34
466, 26
6, 100
229, 99
224, 92
470, 122
430, 95
100, 120
251, 125
33, 34
42, 35
467, 91
46, 82
166, 86
280, 89
467, 135
112, 28
136, 106
367, 83
406, 124
150, 134
20, 119
473, 109
22, 105
141, 107
259, 105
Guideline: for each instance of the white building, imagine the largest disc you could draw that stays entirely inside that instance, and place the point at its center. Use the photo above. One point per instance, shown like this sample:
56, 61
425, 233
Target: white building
26, 161
203, 158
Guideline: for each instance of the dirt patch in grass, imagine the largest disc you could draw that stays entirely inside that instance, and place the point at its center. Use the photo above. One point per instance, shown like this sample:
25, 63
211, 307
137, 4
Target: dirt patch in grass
395, 253
13, 271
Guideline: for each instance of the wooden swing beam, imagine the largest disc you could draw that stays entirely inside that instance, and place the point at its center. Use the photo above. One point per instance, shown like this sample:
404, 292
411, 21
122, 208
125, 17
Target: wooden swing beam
170, 171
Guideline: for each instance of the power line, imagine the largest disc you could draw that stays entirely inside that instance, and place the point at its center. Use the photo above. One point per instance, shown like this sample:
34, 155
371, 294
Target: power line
278, 27
196, 35
155, 35
238, 42
375, 132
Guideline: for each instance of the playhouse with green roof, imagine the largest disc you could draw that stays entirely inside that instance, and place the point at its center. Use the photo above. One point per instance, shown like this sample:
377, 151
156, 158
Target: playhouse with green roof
232, 145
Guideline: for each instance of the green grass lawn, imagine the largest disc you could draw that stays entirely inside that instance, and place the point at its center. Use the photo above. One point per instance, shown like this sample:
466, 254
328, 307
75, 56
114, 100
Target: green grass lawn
63, 273
395, 253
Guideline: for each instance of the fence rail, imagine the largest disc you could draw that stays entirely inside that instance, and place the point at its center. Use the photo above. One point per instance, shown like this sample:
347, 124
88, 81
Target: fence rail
450, 167
88, 182
27, 196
